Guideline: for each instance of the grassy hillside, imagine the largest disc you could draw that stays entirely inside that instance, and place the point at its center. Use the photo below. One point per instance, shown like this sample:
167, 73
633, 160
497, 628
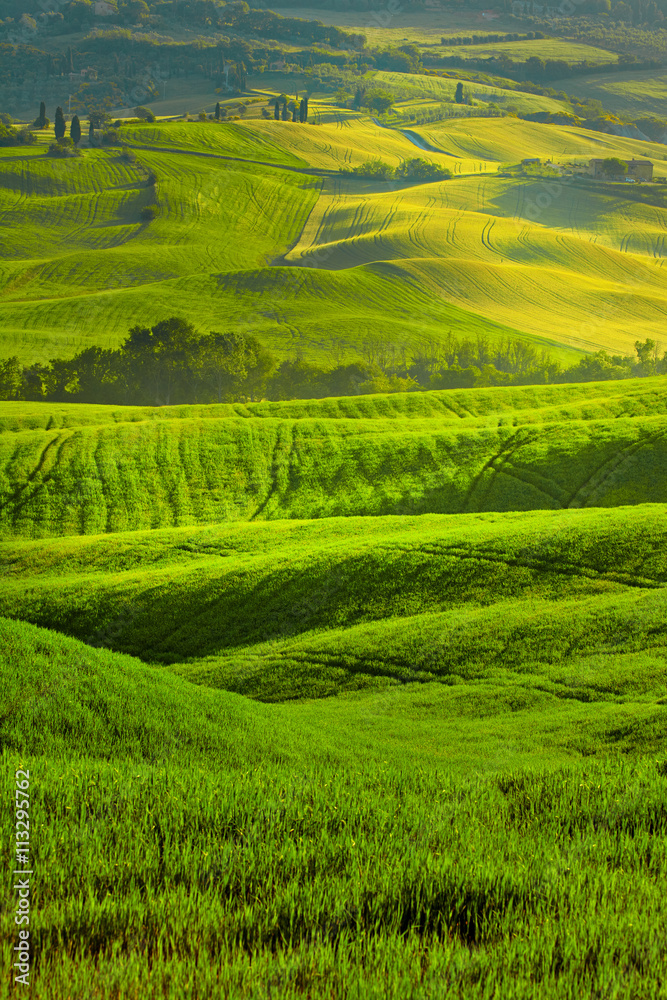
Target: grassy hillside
175, 811
393, 262
541, 48
512, 139
442, 88
341, 757
487, 245
640, 93
308, 609
216, 464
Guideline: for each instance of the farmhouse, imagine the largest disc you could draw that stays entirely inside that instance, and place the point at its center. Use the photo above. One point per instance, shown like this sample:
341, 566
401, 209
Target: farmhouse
531, 159
85, 74
638, 170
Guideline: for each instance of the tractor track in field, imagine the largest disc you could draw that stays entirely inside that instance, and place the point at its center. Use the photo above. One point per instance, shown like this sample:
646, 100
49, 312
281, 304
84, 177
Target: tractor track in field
561, 568
504, 452
313, 171
19, 498
274, 468
611, 465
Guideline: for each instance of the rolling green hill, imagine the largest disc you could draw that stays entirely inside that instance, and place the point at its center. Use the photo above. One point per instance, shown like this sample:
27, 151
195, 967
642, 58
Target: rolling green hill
353, 698
257, 232
175, 811
497, 449
309, 608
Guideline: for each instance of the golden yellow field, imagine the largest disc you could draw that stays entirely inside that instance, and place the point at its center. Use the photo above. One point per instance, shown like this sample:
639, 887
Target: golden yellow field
546, 256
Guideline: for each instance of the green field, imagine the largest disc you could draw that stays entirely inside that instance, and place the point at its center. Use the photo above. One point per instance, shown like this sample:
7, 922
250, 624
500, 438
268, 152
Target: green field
437, 452
542, 48
353, 698
275, 751
257, 232
184, 824
634, 94
449, 728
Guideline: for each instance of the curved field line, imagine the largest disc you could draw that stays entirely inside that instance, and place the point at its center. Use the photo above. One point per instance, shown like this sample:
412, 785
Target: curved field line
563, 568
614, 462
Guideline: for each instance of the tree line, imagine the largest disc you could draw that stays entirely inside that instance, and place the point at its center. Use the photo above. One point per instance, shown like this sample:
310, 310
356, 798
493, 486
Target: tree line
172, 363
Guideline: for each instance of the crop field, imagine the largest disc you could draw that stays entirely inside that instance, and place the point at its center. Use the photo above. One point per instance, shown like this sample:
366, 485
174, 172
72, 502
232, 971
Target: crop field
394, 26
514, 139
450, 729
542, 48
485, 244
256, 230
280, 461
80, 267
352, 698
638, 94
444, 88
340, 698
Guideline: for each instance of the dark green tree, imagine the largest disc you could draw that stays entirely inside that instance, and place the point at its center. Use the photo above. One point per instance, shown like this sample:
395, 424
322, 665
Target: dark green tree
217, 111
458, 96
59, 125
91, 132
303, 110
158, 358
11, 378
40, 120
276, 110
99, 118
75, 130
613, 166
284, 114
378, 100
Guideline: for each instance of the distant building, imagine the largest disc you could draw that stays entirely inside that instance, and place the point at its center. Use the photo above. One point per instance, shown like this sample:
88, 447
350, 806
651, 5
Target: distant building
532, 159
638, 170
103, 9
85, 74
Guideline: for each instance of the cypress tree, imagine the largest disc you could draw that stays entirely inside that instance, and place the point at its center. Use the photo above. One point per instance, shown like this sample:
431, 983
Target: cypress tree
75, 130
276, 111
458, 96
295, 112
303, 110
217, 112
59, 126
42, 114
91, 132
284, 114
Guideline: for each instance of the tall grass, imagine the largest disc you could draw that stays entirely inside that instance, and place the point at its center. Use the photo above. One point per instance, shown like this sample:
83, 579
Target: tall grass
205, 468
187, 843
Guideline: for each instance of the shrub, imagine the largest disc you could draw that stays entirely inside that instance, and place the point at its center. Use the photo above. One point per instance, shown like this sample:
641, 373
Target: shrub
111, 137
374, 169
149, 213
421, 170
145, 114
14, 137
24, 137
202, 116
63, 147
5, 118
128, 155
